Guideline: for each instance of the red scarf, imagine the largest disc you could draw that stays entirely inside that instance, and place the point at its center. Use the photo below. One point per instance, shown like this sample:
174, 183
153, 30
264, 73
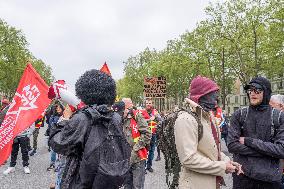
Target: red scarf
219, 179
142, 153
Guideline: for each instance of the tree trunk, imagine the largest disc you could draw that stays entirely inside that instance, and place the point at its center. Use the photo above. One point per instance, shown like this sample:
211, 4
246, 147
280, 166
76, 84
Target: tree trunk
257, 66
210, 68
223, 80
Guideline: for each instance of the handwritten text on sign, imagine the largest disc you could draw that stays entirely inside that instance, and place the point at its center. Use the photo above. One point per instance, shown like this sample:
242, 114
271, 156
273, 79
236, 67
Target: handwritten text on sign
155, 87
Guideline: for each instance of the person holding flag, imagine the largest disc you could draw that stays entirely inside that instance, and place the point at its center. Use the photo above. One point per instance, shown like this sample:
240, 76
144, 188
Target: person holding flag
29, 102
22, 140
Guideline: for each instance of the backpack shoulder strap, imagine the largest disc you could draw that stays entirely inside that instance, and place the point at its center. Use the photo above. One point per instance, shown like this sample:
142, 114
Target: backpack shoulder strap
243, 118
197, 118
244, 115
89, 127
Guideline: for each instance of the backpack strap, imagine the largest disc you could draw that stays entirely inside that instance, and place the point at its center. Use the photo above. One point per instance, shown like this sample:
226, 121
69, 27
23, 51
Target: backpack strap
90, 126
198, 120
244, 115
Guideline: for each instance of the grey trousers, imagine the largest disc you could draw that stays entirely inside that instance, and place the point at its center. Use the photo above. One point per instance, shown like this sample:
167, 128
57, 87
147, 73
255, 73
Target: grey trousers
35, 136
136, 177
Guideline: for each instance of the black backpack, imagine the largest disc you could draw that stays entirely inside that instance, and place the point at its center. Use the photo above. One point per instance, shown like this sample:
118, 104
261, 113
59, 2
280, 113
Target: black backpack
113, 152
275, 120
167, 145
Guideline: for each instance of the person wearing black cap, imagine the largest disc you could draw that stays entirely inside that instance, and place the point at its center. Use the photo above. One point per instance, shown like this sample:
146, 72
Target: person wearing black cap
119, 107
256, 139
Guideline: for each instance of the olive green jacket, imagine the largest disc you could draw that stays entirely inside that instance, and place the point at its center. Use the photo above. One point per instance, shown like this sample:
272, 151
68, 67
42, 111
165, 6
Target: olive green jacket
144, 140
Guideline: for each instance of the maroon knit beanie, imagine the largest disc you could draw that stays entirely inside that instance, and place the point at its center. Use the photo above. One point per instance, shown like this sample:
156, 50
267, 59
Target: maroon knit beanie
201, 86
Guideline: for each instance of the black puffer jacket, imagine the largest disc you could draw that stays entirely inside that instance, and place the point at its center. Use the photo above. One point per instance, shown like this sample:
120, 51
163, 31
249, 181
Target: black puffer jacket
78, 139
262, 150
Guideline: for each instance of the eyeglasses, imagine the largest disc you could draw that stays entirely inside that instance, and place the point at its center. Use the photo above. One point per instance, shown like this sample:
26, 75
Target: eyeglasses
255, 90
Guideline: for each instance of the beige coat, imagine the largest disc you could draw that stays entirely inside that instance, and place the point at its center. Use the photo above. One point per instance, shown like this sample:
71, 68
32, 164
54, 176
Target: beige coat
198, 159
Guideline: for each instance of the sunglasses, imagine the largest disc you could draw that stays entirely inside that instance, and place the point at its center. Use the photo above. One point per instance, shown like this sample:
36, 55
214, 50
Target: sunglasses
255, 90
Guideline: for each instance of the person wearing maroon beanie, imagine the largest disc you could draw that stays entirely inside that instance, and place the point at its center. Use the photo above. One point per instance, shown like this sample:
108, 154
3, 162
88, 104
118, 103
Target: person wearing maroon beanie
198, 139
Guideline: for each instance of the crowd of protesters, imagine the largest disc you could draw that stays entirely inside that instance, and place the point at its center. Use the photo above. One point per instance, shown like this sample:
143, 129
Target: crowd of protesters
108, 144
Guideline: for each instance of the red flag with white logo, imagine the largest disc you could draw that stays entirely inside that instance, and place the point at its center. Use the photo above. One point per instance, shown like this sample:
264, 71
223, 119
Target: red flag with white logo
28, 103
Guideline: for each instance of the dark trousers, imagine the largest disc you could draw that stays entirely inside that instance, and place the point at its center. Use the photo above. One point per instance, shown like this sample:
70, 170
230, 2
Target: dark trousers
151, 151
282, 182
224, 136
136, 176
35, 136
244, 182
157, 144
29, 145
100, 182
23, 142
158, 151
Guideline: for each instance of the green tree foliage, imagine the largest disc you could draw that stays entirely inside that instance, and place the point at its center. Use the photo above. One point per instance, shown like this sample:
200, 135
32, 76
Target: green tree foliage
238, 40
14, 56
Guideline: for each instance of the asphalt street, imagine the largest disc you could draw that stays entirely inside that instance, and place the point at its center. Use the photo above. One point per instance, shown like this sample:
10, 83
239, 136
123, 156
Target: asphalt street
41, 179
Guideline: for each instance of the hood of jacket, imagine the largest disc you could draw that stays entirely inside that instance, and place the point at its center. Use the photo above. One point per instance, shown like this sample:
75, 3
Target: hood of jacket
98, 113
265, 84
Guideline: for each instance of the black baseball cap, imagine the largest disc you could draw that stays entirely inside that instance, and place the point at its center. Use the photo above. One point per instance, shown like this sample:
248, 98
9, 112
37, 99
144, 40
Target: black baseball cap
253, 85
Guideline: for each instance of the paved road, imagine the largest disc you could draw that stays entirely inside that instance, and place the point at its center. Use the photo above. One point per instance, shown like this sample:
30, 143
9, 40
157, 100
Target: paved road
41, 179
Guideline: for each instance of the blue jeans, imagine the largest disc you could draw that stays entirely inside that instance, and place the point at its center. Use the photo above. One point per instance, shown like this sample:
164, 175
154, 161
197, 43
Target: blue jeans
60, 168
136, 176
151, 151
52, 157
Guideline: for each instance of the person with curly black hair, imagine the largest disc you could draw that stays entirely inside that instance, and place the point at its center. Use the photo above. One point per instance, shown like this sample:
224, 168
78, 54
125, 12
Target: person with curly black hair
95, 87
96, 150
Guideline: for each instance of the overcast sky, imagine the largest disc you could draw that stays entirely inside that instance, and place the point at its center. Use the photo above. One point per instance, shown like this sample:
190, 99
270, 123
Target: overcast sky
73, 36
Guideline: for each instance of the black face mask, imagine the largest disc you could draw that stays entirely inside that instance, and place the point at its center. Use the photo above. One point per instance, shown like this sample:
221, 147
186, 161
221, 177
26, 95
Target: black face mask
209, 101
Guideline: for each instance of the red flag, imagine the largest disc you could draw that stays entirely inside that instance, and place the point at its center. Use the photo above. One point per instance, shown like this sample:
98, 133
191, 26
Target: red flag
28, 103
105, 69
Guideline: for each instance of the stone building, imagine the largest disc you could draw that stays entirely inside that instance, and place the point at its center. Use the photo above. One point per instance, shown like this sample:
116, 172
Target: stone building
240, 99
